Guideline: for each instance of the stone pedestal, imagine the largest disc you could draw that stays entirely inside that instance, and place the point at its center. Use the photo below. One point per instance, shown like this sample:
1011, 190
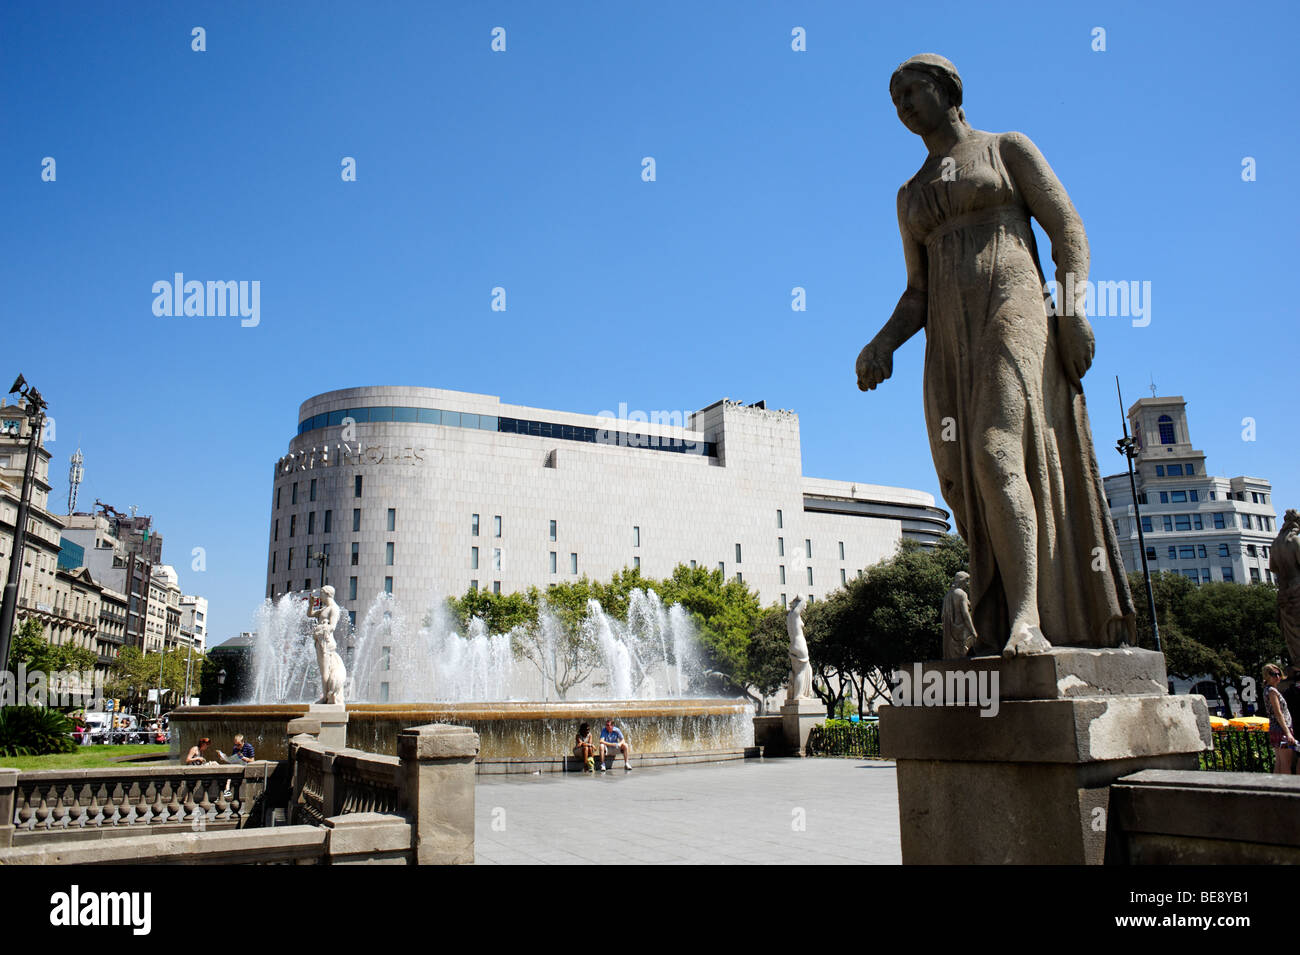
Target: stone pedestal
328, 722
798, 717
1028, 781
437, 772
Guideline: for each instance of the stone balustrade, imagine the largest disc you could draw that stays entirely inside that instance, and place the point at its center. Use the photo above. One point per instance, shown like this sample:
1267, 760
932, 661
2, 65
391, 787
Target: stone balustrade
345, 807
92, 803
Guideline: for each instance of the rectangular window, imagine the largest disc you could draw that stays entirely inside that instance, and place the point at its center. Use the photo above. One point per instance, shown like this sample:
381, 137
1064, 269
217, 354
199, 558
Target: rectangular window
810, 580
783, 574
273, 561
1173, 553
1219, 522
783, 601
1168, 522
496, 559
1227, 573
293, 524
841, 550
636, 536
1160, 470
1151, 553
1197, 523
473, 585
780, 523
473, 525
356, 553
740, 577
1223, 550
1250, 550
289, 566
636, 563
780, 547
388, 554
306, 584
311, 494
1183, 522
356, 486
392, 518
496, 526
1164, 497
1142, 498
1187, 553
692, 565
356, 519
1245, 522
388, 585
1175, 470
553, 530
738, 560
807, 549
552, 562
1146, 524
276, 535
843, 576
1213, 496
473, 558
1191, 469
496, 586
293, 494
1193, 497
1254, 575
329, 515
277, 498
311, 523
1200, 550
573, 563
722, 569
352, 588
1178, 497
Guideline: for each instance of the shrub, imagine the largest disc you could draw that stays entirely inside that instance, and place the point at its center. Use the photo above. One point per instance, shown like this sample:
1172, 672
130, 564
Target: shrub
1237, 751
34, 731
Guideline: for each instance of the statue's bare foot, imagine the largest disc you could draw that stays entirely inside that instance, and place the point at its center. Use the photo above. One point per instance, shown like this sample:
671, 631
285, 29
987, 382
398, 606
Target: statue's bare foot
1024, 641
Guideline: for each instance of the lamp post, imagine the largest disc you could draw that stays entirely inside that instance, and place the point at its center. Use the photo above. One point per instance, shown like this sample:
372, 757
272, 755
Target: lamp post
1128, 446
323, 559
9, 605
221, 685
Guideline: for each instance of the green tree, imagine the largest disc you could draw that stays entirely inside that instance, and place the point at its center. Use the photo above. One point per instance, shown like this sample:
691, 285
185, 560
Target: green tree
1239, 623
30, 647
725, 612
768, 656
830, 648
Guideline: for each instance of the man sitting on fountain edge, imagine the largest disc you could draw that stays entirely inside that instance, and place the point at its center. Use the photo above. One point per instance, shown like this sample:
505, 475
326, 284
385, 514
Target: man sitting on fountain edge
611, 738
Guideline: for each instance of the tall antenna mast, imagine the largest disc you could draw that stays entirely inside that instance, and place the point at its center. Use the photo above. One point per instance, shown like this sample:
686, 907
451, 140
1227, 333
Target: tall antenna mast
75, 473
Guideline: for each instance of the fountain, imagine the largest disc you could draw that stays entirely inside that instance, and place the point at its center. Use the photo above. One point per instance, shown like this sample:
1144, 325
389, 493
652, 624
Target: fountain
523, 692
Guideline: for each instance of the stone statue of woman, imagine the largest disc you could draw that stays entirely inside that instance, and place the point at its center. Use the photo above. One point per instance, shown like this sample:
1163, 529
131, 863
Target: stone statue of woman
800, 666
333, 674
1284, 561
1003, 387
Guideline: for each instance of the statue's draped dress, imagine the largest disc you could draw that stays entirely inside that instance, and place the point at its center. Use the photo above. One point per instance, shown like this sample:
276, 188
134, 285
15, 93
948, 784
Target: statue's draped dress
989, 339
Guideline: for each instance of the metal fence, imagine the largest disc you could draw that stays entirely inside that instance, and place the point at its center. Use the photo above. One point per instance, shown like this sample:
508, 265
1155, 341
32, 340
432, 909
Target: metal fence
842, 738
1239, 751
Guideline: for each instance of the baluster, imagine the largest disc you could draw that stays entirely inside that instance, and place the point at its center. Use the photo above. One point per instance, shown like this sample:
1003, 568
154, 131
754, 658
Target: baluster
95, 811
176, 806
131, 801
43, 808
25, 815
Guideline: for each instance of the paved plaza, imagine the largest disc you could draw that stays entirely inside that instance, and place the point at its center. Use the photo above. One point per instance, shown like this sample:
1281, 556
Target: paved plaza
783, 811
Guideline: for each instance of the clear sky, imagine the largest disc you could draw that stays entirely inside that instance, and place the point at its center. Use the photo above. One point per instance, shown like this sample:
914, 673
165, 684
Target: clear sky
522, 169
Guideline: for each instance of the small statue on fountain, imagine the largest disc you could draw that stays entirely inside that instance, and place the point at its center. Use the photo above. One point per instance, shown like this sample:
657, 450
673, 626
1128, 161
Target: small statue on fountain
958, 627
800, 667
333, 675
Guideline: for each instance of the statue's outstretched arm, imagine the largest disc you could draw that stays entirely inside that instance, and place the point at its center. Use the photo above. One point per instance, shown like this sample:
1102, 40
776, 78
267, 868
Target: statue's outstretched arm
876, 361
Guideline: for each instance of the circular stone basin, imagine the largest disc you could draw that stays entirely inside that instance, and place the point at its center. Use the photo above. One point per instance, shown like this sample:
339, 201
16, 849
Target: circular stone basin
507, 730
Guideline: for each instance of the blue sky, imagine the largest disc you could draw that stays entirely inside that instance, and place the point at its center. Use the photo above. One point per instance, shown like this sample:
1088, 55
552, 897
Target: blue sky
522, 169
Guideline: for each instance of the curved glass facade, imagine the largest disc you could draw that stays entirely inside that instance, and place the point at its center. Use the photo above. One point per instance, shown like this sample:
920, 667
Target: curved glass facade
540, 429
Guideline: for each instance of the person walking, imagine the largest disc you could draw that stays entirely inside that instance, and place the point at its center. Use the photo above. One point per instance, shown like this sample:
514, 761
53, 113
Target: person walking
1280, 728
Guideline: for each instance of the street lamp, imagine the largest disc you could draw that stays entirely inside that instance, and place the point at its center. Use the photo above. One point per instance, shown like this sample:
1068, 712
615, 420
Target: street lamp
36, 423
221, 685
1128, 446
323, 559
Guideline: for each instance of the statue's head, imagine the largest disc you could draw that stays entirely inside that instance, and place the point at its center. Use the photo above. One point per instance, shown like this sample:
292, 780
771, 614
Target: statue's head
961, 579
925, 89
327, 592
1292, 516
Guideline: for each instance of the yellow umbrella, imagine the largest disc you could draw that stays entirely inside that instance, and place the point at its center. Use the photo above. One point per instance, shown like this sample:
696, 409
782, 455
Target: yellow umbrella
1249, 723
1218, 723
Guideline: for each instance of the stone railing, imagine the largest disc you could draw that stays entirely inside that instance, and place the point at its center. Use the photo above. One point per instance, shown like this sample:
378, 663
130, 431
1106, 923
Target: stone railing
62, 804
345, 807
338, 782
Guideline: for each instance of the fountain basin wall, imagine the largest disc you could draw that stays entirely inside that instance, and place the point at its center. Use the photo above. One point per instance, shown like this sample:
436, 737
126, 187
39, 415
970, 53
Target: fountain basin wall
525, 730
